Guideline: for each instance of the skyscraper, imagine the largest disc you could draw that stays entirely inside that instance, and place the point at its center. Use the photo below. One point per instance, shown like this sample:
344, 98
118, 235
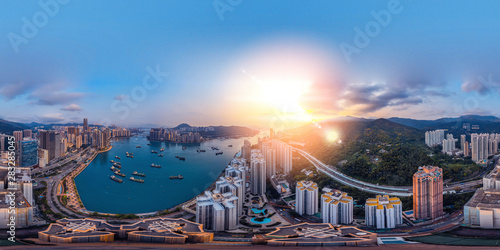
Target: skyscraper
85, 125
336, 207
27, 133
383, 212
246, 150
428, 193
19, 136
28, 153
306, 197
51, 141
258, 173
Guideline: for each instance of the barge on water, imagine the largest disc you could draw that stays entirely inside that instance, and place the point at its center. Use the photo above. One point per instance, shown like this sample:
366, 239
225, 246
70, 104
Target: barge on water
116, 179
119, 174
139, 174
136, 180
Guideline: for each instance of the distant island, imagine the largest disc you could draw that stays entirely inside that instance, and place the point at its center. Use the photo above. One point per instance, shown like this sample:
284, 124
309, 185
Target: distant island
184, 133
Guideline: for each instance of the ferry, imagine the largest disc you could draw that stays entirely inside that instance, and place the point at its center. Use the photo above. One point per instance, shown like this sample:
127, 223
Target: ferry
112, 161
155, 166
136, 180
182, 158
139, 174
117, 157
176, 177
154, 152
138, 146
219, 153
119, 174
160, 155
162, 149
201, 150
116, 179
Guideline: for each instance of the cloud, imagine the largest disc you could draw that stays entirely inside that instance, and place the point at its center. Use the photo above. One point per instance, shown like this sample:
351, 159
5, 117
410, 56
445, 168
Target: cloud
50, 118
369, 98
437, 93
55, 98
481, 85
72, 107
121, 97
11, 90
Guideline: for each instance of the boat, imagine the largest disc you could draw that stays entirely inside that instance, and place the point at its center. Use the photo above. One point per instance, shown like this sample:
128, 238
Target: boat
160, 155
138, 146
119, 174
139, 174
117, 165
162, 149
112, 161
182, 158
130, 156
131, 153
183, 148
149, 144
117, 157
113, 169
215, 148
155, 166
201, 150
116, 179
230, 146
154, 152
219, 153
176, 156
176, 177
136, 180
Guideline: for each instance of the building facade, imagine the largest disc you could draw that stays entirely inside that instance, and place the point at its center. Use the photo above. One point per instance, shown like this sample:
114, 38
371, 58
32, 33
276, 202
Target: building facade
306, 198
337, 207
428, 193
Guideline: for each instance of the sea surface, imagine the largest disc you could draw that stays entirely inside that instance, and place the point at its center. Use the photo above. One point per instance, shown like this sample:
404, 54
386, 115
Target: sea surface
99, 193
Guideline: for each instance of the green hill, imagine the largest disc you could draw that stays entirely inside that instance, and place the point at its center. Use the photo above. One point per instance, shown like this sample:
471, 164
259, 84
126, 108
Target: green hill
7, 127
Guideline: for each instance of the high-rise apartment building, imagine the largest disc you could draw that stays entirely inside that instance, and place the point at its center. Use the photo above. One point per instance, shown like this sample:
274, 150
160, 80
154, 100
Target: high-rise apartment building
51, 141
433, 138
257, 173
306, 197
383, 212
428, 193
85, 125
337, 207
217, 211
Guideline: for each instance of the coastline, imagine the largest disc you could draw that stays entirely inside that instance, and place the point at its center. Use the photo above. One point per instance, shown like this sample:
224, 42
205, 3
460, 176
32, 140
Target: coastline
160, 212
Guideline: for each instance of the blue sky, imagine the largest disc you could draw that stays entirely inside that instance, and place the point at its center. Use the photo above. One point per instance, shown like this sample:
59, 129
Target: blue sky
432, 59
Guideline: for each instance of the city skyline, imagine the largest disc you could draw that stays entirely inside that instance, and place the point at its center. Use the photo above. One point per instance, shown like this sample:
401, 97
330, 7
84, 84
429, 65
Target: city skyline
231, 67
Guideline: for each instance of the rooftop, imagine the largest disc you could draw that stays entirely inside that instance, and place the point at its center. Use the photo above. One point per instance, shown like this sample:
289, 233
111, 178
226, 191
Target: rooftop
485, 199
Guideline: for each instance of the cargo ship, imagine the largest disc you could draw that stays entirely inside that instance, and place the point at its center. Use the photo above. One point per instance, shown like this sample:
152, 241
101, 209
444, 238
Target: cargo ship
182, 158
154, 152
117, 165
176, 177
136, 180
139, 174
119, 174
117, 157
219, 153
201, 150
116, 179
155, 166
114, 169
112, 161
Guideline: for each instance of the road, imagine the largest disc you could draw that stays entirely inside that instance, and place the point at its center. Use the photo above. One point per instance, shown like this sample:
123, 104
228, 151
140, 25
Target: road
53, 181
404, 191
